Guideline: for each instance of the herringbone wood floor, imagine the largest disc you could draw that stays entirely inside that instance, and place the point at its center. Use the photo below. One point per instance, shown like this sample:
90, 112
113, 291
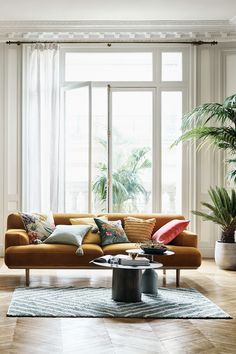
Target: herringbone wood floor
119, 336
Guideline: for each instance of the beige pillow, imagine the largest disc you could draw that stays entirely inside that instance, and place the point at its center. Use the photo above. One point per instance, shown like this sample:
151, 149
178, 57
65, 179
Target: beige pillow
139, 230
90, 237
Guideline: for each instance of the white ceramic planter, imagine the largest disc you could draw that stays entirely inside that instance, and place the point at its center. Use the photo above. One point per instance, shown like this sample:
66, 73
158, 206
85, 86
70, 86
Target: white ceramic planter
225, 255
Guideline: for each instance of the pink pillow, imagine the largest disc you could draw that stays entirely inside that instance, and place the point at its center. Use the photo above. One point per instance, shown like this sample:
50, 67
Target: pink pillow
169, 231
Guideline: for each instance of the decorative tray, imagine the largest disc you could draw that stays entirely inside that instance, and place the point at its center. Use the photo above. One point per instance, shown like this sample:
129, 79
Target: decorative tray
151, 250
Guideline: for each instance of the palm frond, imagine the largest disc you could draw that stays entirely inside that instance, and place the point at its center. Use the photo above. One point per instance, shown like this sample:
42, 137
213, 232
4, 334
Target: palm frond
230, 102
233, 202
207, 217
230, 161
101, 166
224, 138
100, 187
231, 175
203, 114
137, 160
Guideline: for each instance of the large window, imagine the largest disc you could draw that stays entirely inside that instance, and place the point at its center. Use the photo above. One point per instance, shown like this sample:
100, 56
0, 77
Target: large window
110, 122
123, 111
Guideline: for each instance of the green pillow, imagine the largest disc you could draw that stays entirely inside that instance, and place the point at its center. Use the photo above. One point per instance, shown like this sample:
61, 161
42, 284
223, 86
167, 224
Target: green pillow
111, 232
69, 235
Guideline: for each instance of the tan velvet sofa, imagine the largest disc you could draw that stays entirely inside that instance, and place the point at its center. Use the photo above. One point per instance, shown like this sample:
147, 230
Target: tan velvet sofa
19, 254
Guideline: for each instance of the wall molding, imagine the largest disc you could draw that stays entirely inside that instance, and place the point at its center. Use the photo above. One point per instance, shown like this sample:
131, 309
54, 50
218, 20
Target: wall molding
223, 30
1, 250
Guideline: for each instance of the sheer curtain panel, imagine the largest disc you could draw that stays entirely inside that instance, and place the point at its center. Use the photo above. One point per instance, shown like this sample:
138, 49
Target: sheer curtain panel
42, 130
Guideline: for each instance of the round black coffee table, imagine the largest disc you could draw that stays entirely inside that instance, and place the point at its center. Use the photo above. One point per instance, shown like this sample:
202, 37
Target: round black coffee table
126, 280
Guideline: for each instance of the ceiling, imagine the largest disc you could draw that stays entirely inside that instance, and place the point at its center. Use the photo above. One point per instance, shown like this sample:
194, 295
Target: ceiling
126, 10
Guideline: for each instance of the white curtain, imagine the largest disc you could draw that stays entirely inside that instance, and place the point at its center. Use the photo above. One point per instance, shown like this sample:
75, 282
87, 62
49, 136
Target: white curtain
42, 130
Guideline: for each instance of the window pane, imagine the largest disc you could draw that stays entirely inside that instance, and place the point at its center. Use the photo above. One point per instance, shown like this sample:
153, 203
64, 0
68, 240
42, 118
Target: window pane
108, 67
132, 150
171, 67
76, 150
99, 150
171, 158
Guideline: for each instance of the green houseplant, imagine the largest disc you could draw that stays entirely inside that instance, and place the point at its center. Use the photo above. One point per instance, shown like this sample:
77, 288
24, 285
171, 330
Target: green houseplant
222, 211
215, 123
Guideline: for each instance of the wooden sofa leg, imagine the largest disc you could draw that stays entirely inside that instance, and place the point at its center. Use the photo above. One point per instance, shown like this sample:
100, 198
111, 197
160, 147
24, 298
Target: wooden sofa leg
164, 277
27, 277
177, 277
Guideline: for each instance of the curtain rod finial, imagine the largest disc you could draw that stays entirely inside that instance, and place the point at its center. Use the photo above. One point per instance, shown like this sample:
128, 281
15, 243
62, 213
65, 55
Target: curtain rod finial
203, 42
17, 42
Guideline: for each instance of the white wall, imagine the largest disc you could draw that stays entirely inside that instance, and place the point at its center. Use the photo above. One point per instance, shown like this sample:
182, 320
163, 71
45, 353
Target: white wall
10, 131
216, 78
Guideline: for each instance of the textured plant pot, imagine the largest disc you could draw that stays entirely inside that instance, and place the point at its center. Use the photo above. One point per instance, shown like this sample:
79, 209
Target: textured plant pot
225, 255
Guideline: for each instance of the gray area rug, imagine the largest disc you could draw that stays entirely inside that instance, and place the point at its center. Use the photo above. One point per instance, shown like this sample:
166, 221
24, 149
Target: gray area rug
97, 302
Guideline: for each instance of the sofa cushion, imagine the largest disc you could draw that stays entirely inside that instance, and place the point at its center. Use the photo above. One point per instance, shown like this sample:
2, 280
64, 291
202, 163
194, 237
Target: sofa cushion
50, 255
169, 231
118, 248
139, 230
38, 226
91, 236
111, 232
69, 235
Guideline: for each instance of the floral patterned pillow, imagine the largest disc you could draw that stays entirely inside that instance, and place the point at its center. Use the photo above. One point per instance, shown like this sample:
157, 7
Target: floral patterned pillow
38, 226
111, 232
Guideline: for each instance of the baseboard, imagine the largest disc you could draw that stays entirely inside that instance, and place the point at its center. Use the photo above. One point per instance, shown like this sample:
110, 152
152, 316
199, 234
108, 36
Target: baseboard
207, 252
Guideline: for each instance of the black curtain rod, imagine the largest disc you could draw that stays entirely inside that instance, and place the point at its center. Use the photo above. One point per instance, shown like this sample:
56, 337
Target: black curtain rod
109, 43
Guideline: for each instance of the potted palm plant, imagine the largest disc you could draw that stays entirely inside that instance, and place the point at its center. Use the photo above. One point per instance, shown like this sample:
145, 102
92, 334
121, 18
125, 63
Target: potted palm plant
222, 211
215, 123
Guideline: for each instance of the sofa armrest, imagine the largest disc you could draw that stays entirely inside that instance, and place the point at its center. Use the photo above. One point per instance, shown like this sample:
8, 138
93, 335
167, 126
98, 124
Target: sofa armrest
186, 238
16, 237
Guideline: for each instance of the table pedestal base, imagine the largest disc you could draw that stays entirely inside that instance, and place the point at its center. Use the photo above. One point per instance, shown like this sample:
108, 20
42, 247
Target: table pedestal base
126, 285
149, 282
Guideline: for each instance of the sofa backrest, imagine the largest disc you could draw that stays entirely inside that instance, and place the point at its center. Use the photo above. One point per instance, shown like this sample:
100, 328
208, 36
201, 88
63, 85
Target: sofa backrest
14, 220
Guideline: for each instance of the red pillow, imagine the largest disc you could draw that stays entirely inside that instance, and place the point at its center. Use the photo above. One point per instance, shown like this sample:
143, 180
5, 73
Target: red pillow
169, 231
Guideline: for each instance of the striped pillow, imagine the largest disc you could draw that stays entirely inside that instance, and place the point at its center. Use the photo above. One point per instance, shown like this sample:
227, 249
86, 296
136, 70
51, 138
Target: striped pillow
139, 230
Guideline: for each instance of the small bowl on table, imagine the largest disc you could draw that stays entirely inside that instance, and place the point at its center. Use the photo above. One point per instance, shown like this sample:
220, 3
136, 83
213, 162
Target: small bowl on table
152, 250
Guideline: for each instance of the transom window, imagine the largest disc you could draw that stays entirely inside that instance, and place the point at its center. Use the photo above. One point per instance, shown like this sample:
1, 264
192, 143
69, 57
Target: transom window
116, 66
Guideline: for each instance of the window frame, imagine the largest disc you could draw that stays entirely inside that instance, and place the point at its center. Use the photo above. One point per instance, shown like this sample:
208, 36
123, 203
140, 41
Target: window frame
158, 86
